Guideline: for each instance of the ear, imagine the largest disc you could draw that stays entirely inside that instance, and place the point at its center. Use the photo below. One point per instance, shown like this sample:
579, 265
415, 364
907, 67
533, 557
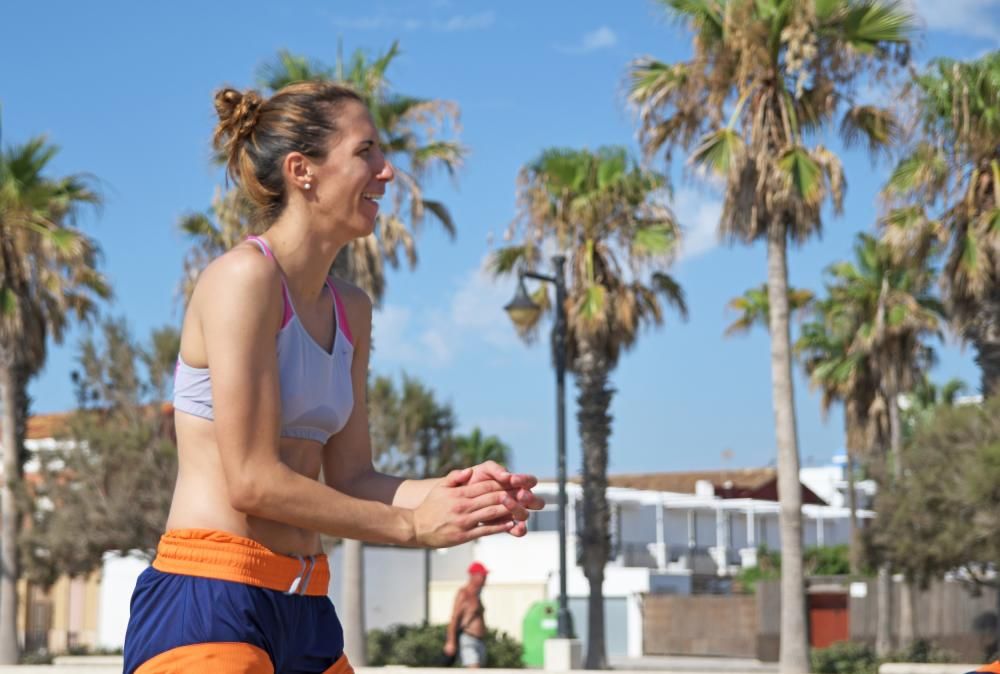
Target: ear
297, 169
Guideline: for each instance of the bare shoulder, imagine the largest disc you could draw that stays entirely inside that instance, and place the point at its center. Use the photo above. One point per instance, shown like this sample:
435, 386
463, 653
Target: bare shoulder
242, 273
357, 304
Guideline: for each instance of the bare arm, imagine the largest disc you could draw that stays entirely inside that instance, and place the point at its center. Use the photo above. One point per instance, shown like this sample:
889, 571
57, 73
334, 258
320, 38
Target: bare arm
241, 295
347, 456
457, 613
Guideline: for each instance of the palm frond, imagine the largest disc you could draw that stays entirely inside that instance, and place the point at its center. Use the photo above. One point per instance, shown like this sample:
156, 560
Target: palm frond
869, 24
719, 151
802, 173
874, 126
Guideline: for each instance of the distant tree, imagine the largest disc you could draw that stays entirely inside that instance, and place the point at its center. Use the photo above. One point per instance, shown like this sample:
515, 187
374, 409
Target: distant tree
846, 376
941, 514
48, 276
761, 91
607, 215
475, 448
925, 400
412, 432
109, 484
946, 189
226, 223
753, 308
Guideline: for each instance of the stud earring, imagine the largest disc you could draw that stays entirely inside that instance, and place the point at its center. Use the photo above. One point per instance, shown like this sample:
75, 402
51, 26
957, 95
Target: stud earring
307, 186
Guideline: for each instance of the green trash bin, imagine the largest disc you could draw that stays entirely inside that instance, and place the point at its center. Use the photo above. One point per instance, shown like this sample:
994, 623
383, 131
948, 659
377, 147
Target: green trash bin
539, 624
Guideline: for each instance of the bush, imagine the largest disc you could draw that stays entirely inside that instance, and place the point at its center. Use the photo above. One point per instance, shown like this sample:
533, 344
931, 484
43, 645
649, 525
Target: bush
844, 657
848, 657
41, 657
423, 646
922, 650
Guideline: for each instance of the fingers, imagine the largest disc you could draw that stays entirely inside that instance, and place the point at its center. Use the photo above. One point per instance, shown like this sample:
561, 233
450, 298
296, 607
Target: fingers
517, 511
477, 489
519, 529
523, 481
529, 500
457, 478
487, 514
488, 530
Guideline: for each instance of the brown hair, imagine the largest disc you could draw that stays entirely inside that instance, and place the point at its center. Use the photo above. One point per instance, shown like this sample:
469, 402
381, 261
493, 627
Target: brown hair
254, 135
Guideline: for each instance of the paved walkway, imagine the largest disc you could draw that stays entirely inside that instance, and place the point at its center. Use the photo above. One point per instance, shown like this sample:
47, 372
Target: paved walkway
664, 663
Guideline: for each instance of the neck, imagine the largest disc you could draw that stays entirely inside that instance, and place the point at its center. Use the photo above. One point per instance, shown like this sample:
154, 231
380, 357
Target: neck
304, 252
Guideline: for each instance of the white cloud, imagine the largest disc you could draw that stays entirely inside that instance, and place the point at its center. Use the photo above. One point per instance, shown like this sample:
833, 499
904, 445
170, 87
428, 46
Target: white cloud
477, 306
461, 22
975, 18
453, 24
391, 338
699, 216
475, 314
601, 38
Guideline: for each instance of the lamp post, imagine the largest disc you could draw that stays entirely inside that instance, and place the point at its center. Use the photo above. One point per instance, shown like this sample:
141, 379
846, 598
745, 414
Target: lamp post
523, 311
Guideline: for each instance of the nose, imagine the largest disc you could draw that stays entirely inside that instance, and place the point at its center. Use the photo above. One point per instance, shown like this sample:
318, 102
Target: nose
387, 173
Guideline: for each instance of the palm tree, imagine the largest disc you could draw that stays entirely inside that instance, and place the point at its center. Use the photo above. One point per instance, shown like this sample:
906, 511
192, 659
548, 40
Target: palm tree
411, 131
48, 273
925, 400
952, 170
764, 76
846, 377
885, 302
226, 223
752, 308
475, 448
412, 436
607, 215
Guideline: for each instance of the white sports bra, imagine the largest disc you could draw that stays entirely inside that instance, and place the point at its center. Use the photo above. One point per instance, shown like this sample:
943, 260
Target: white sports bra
316, 392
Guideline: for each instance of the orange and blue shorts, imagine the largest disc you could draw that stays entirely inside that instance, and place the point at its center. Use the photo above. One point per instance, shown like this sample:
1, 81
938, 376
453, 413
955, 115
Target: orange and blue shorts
217, 603
993, 668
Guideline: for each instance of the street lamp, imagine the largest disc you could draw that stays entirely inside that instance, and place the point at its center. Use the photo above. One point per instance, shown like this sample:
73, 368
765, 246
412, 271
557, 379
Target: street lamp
523, 312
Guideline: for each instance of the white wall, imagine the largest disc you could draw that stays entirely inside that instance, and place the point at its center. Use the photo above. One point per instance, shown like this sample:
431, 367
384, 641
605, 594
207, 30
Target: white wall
394, 584
638, 524
118, 577
705, 528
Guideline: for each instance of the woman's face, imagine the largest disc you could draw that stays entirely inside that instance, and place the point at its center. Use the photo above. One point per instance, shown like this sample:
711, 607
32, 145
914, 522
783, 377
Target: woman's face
348, 183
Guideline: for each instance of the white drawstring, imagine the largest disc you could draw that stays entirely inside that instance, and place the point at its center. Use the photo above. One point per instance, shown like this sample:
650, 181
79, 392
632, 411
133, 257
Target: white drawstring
295, 583
309, 573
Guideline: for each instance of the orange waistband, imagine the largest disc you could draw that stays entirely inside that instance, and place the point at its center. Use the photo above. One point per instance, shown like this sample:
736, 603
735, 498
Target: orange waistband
216, 554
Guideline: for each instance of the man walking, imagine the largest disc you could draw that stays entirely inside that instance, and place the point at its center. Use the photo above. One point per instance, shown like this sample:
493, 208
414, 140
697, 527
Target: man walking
467, 628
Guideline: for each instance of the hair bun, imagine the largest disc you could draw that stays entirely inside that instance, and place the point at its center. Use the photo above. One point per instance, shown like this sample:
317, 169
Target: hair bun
238, 112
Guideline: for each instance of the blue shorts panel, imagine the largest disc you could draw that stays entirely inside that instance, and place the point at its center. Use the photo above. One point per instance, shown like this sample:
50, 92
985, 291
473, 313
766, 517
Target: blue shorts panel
301, 634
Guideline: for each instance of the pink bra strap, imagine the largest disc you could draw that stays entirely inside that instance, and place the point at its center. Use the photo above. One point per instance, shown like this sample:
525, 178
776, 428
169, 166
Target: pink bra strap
284, 289
345, 327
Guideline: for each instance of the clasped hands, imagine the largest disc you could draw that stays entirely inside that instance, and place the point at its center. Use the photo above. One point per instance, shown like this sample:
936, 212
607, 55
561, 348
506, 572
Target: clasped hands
475, 502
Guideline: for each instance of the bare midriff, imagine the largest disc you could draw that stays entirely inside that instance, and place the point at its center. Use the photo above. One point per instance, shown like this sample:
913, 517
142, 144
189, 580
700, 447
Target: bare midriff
201, 495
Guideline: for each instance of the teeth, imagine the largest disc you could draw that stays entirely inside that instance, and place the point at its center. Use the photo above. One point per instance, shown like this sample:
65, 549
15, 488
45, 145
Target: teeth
369, 195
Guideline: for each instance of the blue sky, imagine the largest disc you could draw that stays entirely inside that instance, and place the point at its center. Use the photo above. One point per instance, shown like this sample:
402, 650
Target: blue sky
125, 89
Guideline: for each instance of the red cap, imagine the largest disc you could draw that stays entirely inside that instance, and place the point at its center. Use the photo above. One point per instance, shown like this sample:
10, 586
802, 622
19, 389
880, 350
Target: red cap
477, 568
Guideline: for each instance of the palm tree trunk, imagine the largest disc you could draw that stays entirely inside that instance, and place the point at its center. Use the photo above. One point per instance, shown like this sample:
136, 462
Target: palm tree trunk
594, 400
794, 650
988, 359
854, 533
883, 622
907, 614
353, 598
8, 519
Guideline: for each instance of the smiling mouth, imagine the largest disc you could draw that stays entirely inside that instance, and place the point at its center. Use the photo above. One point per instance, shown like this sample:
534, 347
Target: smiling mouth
371, 196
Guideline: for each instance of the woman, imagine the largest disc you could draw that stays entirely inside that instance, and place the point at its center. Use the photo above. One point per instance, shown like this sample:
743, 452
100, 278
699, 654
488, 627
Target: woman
270, 391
